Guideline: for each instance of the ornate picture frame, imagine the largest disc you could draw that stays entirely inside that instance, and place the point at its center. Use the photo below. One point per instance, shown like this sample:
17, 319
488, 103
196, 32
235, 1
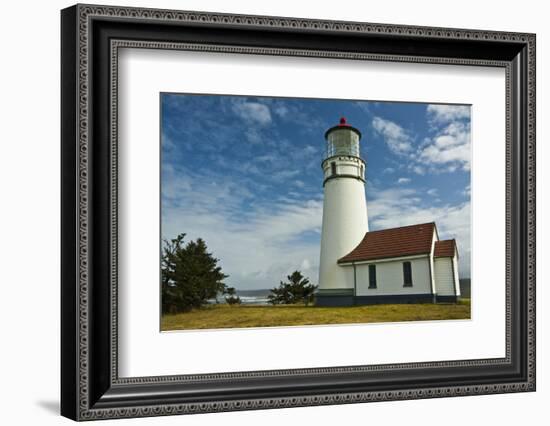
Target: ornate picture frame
91, 37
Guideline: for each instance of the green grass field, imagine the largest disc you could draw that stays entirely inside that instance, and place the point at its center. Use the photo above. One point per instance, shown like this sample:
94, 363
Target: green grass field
238, 316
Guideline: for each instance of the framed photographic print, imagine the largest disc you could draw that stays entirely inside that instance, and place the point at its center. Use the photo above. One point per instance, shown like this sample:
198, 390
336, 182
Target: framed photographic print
281, 213
263, 212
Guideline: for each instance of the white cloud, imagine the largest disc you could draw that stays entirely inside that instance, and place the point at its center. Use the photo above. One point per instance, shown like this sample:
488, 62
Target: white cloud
388, 170
419, 170
399, 207
298, 114
267, 158
259, 252
168, 144
447, 113
258, 246
450, 146
396, 137
281, 110
281, 175
305, 265
447, 149
365, 106
254, 112
308, 151
253, 135
432, 192
403, 180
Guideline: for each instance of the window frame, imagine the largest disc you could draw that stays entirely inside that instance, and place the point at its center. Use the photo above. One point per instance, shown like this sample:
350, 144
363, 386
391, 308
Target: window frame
372, 282
405, 283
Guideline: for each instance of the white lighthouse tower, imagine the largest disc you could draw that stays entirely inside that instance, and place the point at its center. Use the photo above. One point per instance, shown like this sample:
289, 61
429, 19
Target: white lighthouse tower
345, 219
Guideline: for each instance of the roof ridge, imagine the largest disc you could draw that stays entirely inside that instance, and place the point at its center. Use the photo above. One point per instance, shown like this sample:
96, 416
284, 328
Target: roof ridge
393, 242
400, 227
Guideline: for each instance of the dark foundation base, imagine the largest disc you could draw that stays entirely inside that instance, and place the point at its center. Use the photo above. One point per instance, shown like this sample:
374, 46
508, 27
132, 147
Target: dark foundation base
447, 299
345, 297
394, 298
335, 297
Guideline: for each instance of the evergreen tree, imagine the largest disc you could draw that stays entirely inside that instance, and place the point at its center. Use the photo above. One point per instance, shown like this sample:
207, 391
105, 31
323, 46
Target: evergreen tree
190, 275
298, 289
232, 298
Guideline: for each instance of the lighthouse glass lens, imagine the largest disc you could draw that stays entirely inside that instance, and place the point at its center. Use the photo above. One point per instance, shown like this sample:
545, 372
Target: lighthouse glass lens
343, 142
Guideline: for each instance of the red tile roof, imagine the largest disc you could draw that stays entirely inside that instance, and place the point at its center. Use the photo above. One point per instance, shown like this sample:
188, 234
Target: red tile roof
445, 248
393, 242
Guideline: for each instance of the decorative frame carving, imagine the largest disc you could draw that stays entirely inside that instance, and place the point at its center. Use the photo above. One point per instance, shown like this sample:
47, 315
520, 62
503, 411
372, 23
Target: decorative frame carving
91, 388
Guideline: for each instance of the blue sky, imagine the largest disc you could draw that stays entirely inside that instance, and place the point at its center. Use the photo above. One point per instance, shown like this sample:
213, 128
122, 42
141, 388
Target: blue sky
244, 174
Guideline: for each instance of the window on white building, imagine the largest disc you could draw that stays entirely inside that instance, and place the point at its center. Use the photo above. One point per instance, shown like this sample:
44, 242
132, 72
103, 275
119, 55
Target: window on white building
372, 276
407, 274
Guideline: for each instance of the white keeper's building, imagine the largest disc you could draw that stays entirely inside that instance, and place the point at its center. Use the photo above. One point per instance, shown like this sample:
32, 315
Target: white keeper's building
409, 264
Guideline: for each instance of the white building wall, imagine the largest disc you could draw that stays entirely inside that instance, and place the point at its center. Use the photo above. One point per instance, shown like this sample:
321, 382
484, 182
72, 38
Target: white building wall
389, 277
344, 223
435, 238
444, 276
348, 277
457, 282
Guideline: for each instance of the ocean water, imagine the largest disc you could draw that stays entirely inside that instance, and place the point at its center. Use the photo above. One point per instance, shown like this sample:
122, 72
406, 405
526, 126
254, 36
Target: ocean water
254, 300
248, 297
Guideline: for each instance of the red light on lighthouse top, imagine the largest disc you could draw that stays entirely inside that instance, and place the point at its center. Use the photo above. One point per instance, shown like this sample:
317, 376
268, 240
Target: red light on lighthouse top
343, 123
